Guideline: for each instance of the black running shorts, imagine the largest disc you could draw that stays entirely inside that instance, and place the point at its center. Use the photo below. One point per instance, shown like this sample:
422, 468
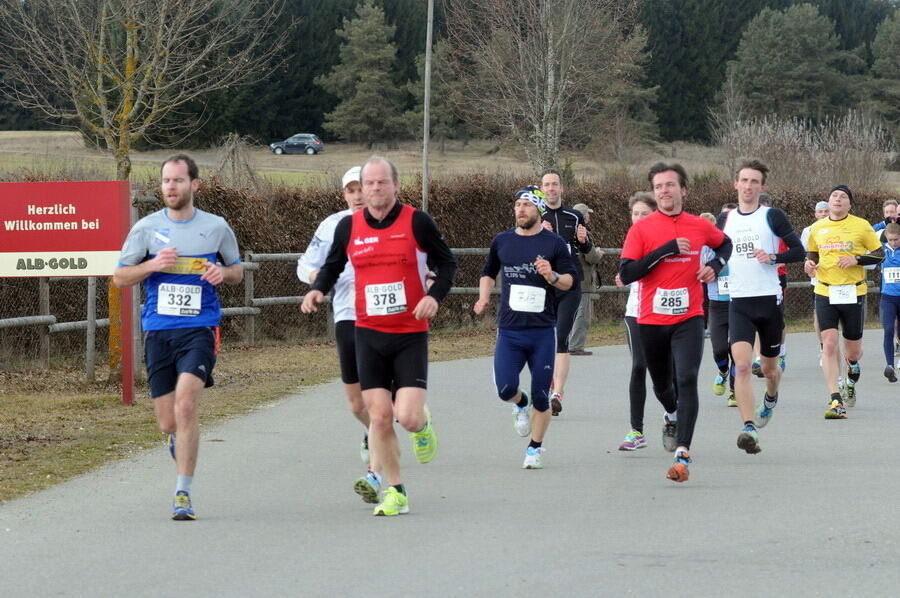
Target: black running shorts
388, 360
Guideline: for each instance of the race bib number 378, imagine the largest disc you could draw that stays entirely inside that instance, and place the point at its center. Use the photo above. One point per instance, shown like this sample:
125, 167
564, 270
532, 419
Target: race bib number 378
385, 299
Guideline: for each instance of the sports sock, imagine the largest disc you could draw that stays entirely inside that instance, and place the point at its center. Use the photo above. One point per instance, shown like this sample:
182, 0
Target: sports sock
836, 396
184, 484
672, 417
768, 401
750, 423
534, 444
854, 376
523, 402
399, 488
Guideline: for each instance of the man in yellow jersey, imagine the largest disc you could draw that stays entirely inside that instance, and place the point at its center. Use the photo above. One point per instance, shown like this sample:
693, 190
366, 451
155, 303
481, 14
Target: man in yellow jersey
836, 256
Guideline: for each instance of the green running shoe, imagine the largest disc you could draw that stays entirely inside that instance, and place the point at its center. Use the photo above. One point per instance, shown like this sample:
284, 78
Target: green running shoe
836, 411
394, 503
719, 384
425, 442
732, 402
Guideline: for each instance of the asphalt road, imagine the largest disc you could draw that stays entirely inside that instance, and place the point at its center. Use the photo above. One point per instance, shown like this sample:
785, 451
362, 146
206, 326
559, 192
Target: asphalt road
817, 513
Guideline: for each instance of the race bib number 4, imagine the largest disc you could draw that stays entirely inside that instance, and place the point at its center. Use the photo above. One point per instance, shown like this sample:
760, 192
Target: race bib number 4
722, 284
525, 298
891, 275
671, 302
179, 299
385, 299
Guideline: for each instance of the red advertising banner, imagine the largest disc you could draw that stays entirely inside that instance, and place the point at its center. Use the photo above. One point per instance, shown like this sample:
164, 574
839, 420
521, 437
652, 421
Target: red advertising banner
62, 229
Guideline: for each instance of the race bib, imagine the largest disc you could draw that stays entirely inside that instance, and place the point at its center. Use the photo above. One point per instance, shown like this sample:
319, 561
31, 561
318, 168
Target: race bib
671, 302
745, 246
842, 294
526, 298
722, 284
179, 299
385, 299
891, 275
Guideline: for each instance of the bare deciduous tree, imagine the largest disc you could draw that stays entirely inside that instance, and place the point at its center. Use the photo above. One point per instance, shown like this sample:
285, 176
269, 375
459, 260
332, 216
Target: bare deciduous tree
538, 69
120, 69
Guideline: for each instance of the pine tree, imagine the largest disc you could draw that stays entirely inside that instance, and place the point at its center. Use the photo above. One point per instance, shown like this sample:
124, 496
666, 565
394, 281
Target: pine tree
787, 64
885, 85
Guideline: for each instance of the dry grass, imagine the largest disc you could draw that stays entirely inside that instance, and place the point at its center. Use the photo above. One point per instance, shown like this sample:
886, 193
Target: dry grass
53, 151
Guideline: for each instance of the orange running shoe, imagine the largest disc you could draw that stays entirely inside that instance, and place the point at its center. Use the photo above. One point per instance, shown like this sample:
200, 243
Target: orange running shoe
679, 471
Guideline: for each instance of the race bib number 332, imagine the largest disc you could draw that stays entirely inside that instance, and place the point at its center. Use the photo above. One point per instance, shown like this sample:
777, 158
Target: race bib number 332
179, 299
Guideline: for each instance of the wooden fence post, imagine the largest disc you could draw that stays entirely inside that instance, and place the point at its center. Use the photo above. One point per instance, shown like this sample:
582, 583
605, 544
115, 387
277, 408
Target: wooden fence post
249, 321
44, 310
90, 337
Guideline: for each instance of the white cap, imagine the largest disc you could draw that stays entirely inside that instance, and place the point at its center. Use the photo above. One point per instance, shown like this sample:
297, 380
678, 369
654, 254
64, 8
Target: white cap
351, 176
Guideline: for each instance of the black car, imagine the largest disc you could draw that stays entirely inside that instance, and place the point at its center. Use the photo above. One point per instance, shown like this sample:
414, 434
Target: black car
301, 143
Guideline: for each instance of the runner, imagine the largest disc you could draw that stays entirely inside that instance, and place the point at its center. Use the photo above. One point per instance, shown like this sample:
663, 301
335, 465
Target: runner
388, 243
757, 231
590, 282
642, 205
533, 262
820, 211
174, 253
568, 224
889, 211
308, 266
719, 301
837, 248
890, 295
663, 252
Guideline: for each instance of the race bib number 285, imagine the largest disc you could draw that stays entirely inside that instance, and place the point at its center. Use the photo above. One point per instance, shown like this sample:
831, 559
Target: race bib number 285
671, 302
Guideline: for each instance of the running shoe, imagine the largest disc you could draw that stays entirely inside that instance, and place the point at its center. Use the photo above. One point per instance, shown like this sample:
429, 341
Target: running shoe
393, 503
756, 368
782, 363
533, 458
425, 442
171, 444
367, 487
719, 384
850, 399
181, 507
764, 415
890, 374
669, 441
633, 441
555, 403
364, 449
522, 418
836, 411
748, 440
732, 402
679, 471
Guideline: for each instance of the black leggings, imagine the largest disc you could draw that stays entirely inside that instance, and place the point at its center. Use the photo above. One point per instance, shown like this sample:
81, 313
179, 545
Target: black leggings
679, 345
637, 384
718, 330
566, 308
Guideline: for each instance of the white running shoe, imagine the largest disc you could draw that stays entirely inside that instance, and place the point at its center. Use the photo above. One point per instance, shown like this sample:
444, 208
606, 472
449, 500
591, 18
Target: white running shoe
522, 420
533, 458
